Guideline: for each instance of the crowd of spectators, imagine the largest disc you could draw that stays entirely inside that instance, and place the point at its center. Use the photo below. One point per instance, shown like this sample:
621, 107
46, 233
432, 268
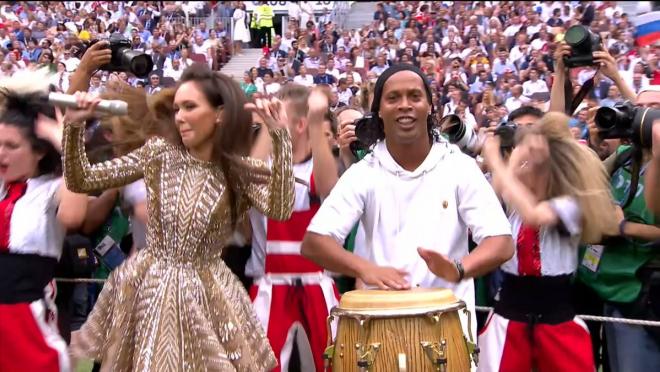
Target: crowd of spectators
55, 34
483, 59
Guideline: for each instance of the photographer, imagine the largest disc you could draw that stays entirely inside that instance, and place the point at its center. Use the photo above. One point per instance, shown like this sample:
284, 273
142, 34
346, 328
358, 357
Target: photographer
652, 191
625, 271
608, 67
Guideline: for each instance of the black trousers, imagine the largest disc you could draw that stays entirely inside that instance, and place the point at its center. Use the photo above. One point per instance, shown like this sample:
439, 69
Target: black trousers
265, 35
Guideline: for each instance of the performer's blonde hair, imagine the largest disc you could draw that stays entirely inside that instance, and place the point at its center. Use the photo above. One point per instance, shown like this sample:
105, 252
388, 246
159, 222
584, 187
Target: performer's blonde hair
577, 171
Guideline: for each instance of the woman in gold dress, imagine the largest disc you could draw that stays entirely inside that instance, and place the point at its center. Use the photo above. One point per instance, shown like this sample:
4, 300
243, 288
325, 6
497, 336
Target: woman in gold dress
175, 306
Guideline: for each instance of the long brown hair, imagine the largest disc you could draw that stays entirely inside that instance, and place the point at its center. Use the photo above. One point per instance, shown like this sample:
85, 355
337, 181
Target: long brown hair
232, 139
577, 171
147, 116
154, 116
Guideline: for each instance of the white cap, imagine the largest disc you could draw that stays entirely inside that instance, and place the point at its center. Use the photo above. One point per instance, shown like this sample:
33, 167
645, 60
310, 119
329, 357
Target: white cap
649, 88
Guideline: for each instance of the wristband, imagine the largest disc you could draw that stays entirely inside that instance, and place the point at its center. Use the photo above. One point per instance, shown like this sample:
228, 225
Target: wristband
461, 270
622, 226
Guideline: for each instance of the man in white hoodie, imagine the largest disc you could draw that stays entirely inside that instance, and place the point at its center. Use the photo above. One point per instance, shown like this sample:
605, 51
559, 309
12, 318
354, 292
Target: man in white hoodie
417, 197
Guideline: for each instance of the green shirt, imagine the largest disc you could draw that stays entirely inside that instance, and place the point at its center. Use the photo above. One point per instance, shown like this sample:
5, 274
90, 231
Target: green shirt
249, 89
116, 227
615, 277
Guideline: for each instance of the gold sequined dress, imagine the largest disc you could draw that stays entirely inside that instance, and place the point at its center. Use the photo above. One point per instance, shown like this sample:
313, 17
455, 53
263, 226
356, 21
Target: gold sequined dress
175, 306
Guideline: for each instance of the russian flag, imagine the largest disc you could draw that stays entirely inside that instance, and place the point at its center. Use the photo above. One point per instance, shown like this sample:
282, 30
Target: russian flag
648, 28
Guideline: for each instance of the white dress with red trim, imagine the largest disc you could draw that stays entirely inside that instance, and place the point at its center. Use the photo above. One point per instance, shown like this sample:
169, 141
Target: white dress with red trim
533, 325
31, 241
292, 296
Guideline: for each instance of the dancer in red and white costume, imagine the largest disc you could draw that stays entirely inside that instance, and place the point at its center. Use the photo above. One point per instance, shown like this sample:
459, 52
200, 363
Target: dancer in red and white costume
552, 185
292, 296
35, 211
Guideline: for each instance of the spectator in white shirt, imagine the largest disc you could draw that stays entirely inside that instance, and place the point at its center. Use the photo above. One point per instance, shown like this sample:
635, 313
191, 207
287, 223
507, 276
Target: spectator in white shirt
473, 22
513, 29
517, 99
331, 69
200, 46
345, 41
430, 40
95, 85
185, 60
534, 85
270, 87
175, 70
286, 41
303, 78
349, 71
535, 23
71, 62
343, 93
451, 37
520, 50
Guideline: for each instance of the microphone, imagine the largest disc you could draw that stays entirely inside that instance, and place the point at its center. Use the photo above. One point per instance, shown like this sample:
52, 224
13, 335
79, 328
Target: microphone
114, 107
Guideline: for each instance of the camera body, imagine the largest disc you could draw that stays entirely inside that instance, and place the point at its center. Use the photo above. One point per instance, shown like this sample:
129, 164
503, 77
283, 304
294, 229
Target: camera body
583, 44
627, 121
367, 129
506, 131
126, 59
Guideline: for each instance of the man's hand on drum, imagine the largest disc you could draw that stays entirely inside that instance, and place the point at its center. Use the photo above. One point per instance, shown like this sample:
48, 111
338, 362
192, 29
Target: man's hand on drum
384, 277
440, 265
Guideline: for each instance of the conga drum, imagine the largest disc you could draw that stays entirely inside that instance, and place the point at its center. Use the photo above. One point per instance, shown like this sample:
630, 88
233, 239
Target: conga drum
413, 330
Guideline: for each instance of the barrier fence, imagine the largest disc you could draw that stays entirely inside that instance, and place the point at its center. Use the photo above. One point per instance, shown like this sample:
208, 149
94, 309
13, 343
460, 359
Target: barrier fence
595, 318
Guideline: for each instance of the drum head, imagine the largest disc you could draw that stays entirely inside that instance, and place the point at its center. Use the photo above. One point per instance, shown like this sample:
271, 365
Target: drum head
413, 299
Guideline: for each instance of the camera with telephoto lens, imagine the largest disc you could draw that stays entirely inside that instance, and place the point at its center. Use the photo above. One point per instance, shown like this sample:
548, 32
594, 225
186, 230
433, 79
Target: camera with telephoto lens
126, 59
627, 121
583, 44
458, 133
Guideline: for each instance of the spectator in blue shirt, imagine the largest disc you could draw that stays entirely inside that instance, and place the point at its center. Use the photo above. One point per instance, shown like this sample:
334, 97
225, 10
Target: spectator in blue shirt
324, 78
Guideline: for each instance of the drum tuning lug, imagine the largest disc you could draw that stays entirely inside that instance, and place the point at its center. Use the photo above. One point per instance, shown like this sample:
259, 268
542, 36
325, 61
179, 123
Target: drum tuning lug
366, 355
328, 355
473, 350
437, 353
435, 318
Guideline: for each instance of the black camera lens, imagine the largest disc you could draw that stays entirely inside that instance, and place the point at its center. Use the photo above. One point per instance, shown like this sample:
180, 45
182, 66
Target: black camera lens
583, 44
607, 117
576, 35
138, 63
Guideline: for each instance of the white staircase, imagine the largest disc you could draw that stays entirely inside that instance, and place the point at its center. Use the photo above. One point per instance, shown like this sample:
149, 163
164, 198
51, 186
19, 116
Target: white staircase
239, 64
361, 13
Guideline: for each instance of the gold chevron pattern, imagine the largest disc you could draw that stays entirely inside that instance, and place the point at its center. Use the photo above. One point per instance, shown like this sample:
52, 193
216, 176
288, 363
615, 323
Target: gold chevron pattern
175, 306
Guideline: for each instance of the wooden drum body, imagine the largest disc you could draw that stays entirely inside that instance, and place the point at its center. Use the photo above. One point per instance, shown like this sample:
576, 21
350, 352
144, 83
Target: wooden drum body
386, 331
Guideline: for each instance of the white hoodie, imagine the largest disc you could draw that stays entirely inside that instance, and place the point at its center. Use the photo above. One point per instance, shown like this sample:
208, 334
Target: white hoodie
432, 207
